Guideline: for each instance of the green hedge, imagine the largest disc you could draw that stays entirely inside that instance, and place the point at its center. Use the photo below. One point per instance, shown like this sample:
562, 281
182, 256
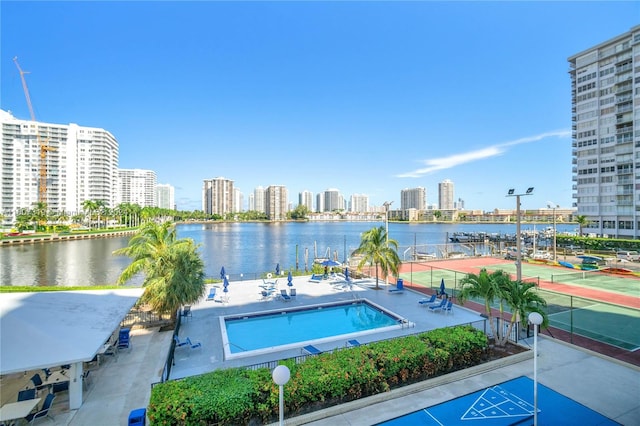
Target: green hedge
597, 243
238, 396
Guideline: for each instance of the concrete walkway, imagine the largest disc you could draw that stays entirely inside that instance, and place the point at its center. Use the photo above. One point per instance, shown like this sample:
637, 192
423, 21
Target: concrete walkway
120, 384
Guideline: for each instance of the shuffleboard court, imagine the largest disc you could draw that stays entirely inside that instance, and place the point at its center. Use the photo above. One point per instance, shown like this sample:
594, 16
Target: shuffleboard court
508, 403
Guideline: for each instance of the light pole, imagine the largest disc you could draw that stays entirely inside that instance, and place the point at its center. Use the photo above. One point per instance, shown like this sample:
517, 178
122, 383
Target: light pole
386, 221
512, 193
554, 206
536, 319
281, 376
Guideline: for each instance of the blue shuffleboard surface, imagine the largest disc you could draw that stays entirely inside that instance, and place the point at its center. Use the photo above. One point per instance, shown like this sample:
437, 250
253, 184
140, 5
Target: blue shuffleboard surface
506, 404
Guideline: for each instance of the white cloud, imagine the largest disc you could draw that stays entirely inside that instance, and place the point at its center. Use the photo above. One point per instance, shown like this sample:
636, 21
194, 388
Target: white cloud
435, 164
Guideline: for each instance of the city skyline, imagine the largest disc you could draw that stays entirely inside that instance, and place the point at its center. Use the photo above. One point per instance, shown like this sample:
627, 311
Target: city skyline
370, 98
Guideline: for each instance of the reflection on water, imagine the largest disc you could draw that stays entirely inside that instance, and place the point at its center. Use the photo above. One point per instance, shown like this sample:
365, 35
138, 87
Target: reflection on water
242, 248
69, 263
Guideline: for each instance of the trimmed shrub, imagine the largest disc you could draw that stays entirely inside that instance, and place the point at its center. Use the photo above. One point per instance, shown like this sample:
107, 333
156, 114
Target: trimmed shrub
239, 396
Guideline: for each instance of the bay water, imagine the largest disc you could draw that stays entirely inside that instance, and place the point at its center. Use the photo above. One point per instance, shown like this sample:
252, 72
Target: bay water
246, 250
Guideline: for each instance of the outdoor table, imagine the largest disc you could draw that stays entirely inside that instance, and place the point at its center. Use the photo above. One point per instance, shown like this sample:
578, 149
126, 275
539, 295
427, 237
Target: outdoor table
17, 410
55, 377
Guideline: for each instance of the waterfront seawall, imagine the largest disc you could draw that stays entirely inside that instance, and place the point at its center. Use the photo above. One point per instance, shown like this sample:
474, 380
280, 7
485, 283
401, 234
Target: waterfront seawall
62, 237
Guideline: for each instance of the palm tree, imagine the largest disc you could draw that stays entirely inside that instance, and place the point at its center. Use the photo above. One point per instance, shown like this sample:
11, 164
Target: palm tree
376, 250
522, 299
100, 205
173, 269
89, 206
482, 286
40, 215
582, 222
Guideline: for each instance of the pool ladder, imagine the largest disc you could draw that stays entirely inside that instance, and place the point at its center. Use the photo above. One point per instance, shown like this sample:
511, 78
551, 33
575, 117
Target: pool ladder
405, 323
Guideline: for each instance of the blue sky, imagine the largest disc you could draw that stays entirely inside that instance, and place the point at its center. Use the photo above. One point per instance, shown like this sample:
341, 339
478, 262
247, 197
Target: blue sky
365, 97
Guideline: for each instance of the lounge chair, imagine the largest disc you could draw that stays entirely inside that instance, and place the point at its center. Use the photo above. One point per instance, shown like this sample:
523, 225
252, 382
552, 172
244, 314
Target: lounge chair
311, 350
179, 343
429, 301
439, 307
186, 342
449, 308
316, 278
266, 295
212, 294
284, 295
43, 412
195, 345
292, 292
353, 342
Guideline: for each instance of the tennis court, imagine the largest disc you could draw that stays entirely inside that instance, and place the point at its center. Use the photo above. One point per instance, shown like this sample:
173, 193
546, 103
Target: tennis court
605, 322
623, 284
615, 325
626, 285
508, 403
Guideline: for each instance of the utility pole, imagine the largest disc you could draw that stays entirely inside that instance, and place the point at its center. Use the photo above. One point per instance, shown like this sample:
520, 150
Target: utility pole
512, 193
386, 205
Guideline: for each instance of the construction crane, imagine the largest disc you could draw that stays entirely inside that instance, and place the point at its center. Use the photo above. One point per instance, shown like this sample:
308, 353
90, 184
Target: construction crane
44, 148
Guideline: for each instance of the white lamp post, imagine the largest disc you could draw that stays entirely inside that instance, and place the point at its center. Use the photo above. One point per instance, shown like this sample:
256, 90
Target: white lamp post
536, 319
512, 193
386, 221
554, 206
281, 376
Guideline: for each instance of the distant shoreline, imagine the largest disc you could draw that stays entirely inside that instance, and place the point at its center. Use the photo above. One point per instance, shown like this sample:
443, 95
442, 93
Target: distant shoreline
54, 237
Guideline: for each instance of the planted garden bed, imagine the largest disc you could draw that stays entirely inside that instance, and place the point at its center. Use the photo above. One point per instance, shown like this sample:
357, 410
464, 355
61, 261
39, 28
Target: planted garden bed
238, 396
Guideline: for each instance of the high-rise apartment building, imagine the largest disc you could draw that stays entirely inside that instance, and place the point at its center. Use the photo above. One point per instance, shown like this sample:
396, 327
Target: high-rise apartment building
445, 195
320, 202
165, 196
276, 202
259, 199
413, 198
332, 200
81, 164
138, 186
305, 198
605, 103
217, 196
359, 203
238, 200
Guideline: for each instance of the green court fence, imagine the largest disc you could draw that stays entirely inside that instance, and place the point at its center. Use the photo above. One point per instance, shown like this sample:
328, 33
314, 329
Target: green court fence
577, 316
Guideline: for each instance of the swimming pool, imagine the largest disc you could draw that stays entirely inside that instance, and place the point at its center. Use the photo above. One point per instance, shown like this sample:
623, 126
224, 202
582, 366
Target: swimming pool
261, 332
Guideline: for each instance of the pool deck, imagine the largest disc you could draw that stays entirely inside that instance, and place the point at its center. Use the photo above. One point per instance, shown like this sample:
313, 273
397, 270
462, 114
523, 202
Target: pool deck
244, 297
120, 385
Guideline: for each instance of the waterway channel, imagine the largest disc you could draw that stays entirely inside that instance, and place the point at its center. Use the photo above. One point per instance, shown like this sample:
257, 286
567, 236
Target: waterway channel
246, 250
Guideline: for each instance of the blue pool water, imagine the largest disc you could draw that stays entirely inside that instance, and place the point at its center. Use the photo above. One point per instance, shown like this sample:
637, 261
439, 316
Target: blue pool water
261, 331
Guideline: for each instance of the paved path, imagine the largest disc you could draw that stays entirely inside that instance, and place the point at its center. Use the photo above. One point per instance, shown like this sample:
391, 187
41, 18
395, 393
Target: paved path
119, 385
